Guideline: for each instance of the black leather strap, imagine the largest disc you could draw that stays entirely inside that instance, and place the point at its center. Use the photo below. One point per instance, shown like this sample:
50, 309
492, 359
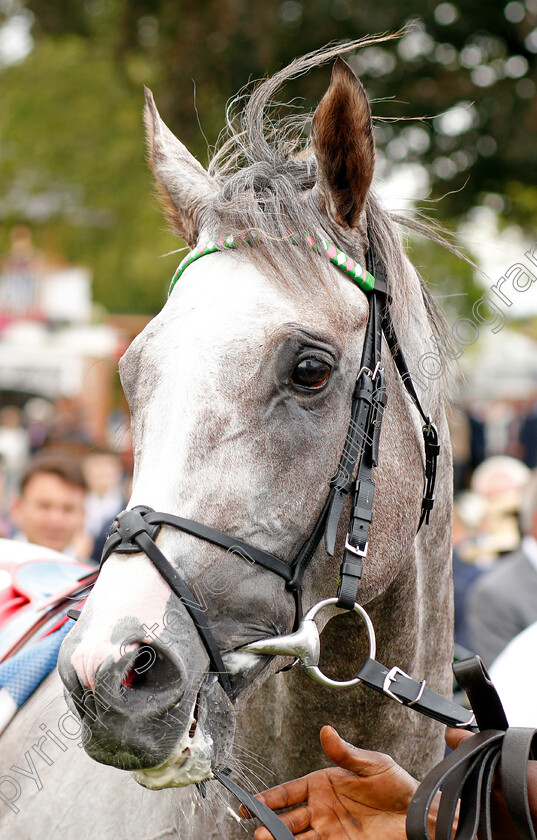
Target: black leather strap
399, 686
249, 552
135, 529
302, 561
360, 453
468, 774
356, 543
270, 820
519, 745
120, 538
430, 434
473, 678
465, 773
177, 585
357, 435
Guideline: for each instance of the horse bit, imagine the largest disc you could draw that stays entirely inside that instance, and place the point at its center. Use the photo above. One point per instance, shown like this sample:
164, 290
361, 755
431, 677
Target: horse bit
135, 530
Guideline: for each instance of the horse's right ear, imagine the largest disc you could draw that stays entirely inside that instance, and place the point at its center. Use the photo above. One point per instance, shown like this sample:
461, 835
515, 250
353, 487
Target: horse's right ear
185, 186
343, 143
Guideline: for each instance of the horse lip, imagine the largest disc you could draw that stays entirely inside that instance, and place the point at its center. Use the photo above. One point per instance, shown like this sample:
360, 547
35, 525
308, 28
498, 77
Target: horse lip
135, 750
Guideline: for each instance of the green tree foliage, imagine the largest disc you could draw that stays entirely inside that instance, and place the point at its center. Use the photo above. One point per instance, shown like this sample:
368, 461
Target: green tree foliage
72, 155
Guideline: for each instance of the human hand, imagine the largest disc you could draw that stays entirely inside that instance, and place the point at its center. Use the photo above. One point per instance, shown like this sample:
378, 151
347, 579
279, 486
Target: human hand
366, 796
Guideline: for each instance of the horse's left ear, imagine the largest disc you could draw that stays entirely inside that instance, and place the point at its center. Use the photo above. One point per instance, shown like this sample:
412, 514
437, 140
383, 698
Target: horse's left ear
342, 139
185, 186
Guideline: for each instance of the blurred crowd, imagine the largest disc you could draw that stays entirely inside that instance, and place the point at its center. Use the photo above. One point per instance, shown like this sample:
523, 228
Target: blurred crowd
57, 488
481, 429
495, 556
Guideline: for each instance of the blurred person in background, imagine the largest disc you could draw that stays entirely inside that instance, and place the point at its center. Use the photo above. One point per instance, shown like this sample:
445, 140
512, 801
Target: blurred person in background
49, 509
515, 682
105, 497
496, 491
475, 412
38, 418
459, 430
67, 429
503, 602
5, 524
14, 447
465, 518
527, 436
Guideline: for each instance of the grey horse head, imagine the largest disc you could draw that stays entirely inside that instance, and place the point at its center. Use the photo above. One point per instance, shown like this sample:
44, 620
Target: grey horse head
240, 393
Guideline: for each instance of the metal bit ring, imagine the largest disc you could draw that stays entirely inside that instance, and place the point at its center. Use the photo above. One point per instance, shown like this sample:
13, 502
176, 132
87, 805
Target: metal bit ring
304, 644
314, 671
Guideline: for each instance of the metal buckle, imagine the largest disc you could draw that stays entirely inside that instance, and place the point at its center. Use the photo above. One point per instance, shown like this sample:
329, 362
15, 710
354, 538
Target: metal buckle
372, 373
390, 677
358, 551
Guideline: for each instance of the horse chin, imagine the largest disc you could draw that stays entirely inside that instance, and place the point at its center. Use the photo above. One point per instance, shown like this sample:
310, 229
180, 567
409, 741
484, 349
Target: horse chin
204, 745
189, 763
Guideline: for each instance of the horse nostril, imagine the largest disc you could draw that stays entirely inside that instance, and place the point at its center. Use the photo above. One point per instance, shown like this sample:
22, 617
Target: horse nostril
150, 671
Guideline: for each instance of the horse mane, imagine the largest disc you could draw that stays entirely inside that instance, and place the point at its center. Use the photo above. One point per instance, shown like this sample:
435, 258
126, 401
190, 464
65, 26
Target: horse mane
266, 170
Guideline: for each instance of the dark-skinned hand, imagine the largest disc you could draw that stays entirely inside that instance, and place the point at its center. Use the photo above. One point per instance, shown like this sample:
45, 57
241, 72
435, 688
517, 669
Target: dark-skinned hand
366, 796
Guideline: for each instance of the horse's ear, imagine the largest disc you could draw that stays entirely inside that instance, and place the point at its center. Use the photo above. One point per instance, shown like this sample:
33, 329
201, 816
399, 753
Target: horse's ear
342, 139
184, 184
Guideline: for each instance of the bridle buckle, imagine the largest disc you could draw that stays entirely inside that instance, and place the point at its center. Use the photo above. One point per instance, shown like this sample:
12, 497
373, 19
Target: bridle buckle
359, 552
390, 678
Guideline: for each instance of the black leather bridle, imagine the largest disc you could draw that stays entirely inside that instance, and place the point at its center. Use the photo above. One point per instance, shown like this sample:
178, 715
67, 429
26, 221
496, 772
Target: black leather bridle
135, 530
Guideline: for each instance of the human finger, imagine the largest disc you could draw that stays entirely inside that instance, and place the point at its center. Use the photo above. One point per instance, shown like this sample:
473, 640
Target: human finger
361, 762
454, 737
296, 821
310, 834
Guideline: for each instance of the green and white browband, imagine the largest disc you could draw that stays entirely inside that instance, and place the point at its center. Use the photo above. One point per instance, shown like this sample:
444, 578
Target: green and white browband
359, 275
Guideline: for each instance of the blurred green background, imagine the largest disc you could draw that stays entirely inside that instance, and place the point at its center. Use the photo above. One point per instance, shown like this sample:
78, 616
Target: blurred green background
72, 155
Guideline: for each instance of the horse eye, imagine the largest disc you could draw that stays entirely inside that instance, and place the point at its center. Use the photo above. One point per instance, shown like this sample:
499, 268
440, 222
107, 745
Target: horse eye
311, 373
